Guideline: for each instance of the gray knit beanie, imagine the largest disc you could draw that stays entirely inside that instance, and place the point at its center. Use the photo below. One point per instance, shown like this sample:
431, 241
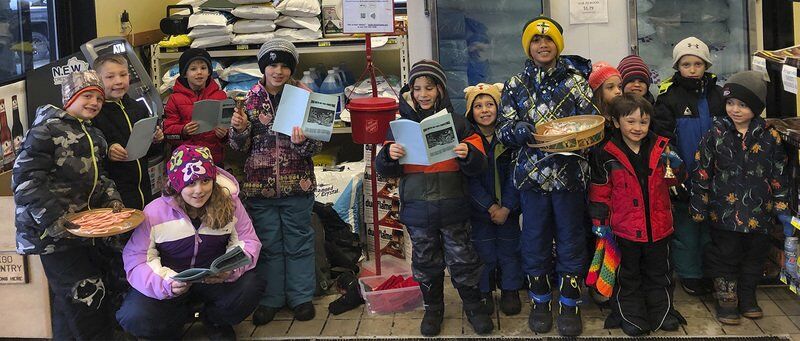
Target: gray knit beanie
278, 50
691, 46
749, 87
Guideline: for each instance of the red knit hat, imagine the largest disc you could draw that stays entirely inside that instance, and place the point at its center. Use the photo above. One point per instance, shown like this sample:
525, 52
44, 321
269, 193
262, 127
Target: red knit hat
633, 67
601, 72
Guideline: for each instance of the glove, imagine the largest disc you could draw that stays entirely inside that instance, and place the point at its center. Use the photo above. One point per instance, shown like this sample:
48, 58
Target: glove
601, 230
523, 132
59, 228
786, 221
116, 206
671, 159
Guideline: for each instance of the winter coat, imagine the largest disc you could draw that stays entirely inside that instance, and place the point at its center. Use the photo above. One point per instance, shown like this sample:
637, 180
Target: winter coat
116, 120
740, 182
275, 167
684, 111
59, 170
178, 113
636, 206
538, 95
494, 185
167, 243
433, 194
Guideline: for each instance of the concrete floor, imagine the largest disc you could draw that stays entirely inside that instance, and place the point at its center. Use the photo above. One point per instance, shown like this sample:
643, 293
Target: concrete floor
781, 317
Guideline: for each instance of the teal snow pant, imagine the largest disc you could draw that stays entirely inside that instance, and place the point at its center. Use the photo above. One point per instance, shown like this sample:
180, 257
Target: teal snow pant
688, 243
286, 262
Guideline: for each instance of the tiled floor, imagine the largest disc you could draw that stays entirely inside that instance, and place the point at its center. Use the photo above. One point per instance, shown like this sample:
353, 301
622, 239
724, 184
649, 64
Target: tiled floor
781, 317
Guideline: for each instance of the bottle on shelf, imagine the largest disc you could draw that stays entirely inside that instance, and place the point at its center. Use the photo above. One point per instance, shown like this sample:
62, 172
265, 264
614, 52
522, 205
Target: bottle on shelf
350, 80
332, 86
321, 73
6, 139
790, 253
315, 76
309, 81
341, 75
16, 127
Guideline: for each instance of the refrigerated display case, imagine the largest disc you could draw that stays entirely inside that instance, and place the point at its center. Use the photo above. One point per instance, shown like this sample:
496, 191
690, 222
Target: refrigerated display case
479, 41
726, 26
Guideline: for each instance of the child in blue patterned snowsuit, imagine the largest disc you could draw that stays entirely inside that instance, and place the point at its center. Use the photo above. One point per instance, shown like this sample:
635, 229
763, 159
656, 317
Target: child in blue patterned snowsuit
552, 185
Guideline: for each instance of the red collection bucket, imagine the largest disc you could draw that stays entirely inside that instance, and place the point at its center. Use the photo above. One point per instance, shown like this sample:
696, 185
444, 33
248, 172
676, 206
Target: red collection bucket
370, 118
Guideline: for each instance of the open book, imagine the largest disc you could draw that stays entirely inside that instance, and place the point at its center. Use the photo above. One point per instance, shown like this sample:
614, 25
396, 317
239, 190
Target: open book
311, 111
233, 259
211, 113
430, 141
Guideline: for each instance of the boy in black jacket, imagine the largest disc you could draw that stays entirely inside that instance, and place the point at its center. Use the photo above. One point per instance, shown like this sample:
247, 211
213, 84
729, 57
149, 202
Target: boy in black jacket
116, 120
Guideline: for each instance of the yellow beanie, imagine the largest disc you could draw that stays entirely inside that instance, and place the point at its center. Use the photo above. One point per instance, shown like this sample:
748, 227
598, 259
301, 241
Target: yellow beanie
542, 26
473, 91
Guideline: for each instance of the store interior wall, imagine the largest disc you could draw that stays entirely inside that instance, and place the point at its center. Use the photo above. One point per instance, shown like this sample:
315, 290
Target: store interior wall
144, 15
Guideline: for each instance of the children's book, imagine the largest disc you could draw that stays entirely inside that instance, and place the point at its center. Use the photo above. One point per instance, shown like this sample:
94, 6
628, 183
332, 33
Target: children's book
233, 259
212, 113
430, 141
141, 138
311, 111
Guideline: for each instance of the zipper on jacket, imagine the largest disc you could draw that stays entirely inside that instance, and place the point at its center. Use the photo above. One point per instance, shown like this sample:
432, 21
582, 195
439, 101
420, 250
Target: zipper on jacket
197, 242
94, 164
138, 164
277, 166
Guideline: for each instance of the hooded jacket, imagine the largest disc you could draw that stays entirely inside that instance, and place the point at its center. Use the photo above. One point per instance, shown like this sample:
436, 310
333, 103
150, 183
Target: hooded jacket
537, 95
684, 111
434, 193
179, 113
167, 243
116, 120
59, 170
636, 207
740, 181
275, 167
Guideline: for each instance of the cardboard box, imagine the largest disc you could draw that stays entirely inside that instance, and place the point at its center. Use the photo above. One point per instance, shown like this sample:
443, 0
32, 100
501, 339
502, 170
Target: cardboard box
27, 313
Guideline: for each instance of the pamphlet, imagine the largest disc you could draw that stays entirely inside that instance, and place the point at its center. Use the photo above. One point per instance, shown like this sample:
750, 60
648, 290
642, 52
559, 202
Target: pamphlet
311, 111
430, 141
211, 113
233, 259
141, 138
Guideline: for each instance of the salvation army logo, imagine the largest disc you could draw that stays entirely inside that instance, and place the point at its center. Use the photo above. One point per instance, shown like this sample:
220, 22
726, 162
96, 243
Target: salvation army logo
61, 72
372, 126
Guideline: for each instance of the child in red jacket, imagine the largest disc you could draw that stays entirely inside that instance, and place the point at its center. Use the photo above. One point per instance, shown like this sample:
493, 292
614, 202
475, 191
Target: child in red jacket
194, 84
629, 194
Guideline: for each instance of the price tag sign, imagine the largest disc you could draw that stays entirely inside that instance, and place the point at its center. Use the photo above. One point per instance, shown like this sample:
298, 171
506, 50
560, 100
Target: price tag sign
789, 77
242, 47
759, 64
783, 277
796, 222
368, 16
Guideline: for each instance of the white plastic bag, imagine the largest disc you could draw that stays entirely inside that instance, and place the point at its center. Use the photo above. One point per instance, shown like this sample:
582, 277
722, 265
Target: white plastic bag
299, 8
311, 23
214, 41
252, 38
263, 12
248, 2
247, 66
253, 26
295, 34
210, 31
208, 18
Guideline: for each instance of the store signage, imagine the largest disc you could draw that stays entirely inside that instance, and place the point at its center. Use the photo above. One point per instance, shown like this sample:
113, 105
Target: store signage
13, 268
759, 64
588, 11
789, 76
368, 16
61, 72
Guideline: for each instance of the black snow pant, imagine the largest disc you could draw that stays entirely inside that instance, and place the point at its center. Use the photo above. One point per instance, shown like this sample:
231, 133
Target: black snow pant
435, 246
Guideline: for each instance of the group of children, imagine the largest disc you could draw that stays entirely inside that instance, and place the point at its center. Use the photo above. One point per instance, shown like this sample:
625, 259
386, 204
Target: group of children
698, 148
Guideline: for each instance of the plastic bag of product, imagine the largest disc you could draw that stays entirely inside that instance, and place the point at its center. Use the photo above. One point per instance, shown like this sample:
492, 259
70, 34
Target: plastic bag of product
239, 88
248, 2
295, 34
210, 18
206, 31
180, 40
253, 26
261, 11
343, 187
206, 42
311, 23
299, 8
241, 70
252, 38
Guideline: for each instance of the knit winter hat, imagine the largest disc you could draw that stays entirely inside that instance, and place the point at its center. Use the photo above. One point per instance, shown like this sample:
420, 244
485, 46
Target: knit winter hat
190, 55
427, 67
472, 92
544, 26
632, 68
601, 72
749, 87
77, 83
691, 46
189, 164
278, 50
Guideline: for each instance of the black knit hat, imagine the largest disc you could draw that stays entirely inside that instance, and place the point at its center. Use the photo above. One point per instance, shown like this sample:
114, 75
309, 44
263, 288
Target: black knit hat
190, 55
430, 68
749, 87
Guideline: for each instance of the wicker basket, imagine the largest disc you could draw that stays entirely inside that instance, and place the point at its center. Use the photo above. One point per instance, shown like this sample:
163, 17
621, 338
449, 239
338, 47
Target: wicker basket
571, 141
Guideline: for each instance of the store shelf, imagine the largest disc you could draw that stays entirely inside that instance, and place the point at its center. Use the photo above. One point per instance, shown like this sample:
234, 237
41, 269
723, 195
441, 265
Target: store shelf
342, 130
330, 45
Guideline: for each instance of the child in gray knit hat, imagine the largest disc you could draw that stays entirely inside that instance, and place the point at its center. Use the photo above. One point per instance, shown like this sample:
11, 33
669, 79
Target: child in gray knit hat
279, 187
739, 186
